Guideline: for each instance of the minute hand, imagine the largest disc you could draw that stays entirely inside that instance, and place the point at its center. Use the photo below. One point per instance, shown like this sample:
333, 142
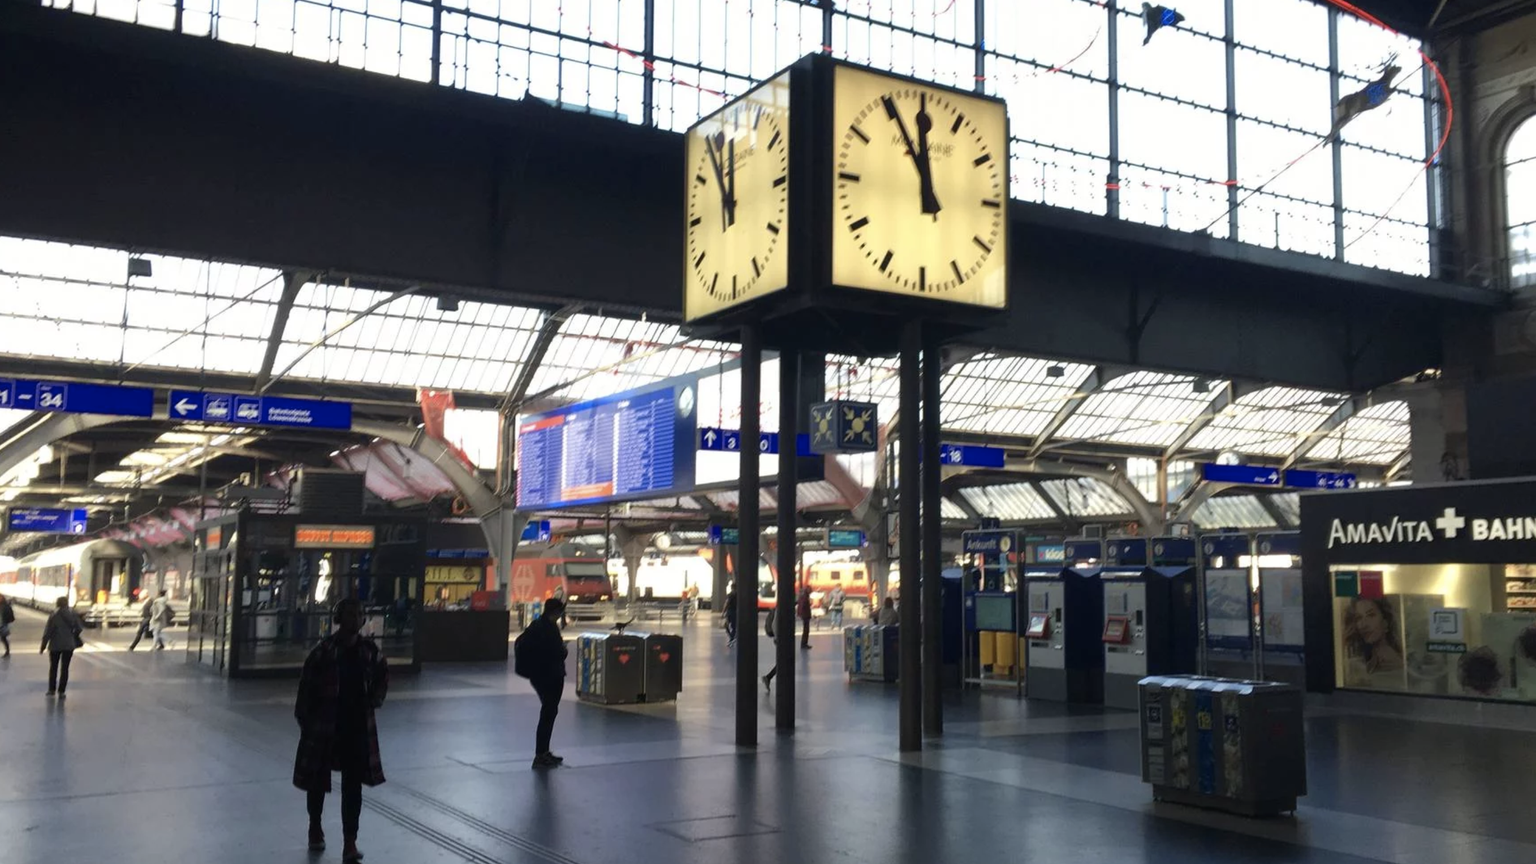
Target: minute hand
924, 166
919, 159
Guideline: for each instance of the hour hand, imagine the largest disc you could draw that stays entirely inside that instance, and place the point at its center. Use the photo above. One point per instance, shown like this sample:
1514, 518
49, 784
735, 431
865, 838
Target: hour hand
713, 143
924, 165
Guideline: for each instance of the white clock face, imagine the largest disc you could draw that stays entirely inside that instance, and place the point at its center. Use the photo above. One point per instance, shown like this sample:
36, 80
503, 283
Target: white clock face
920, 192
738, 202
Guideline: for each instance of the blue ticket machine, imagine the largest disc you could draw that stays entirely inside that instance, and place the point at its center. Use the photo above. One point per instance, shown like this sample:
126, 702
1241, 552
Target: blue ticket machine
1065, 612
1226, 592
1151, 614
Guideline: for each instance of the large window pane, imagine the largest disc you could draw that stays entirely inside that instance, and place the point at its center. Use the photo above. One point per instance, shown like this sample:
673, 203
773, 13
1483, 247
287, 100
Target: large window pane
1052, 33
1199, 149
1175, 63
1291, 28
1281, 91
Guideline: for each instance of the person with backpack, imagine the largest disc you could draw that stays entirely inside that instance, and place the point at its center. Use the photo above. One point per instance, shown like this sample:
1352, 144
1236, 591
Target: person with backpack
61, 636
7, 618
345, 679
161, 616
539, 655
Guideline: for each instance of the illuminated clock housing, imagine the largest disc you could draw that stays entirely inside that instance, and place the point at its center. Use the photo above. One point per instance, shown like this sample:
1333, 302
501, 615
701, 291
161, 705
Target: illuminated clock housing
737, 202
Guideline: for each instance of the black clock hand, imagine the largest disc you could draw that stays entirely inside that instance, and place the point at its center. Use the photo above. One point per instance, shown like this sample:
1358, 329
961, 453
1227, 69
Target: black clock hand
731, 193
924, 166
919, 159
726, 204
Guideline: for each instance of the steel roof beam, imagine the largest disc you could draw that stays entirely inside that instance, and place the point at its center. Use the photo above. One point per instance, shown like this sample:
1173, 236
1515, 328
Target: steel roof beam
548, 330
1091, 385
293, 280
1339, 417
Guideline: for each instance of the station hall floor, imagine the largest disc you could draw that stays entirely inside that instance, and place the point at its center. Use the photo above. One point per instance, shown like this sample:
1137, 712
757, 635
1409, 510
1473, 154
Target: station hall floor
154, 760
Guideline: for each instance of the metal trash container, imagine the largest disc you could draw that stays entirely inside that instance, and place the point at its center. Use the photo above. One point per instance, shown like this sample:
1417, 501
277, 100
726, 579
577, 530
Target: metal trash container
663, 666
610, 668
1223, 744
870, 652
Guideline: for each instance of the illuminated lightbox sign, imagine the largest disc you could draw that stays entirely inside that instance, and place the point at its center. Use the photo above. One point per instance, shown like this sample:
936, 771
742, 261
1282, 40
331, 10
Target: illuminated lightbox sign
332, 537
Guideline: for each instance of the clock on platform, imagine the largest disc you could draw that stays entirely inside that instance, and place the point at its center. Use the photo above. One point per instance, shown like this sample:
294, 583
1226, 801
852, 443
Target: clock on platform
919, 189
737, 203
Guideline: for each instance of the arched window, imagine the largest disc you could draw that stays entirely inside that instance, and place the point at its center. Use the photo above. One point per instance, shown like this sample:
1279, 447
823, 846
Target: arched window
1520, 204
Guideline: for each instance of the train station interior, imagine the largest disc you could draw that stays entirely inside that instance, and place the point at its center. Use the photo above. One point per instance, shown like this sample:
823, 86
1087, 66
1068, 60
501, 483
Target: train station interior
1142, 466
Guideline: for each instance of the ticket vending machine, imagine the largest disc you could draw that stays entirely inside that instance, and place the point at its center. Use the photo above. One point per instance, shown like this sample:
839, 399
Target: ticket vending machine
1227, 641
1151, 614
992, 642
1062, 624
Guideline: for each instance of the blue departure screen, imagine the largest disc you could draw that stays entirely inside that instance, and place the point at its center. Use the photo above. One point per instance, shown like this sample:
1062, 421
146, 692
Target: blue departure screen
624, 446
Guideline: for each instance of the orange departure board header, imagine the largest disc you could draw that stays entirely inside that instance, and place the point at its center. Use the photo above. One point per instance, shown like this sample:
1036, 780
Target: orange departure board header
332, 537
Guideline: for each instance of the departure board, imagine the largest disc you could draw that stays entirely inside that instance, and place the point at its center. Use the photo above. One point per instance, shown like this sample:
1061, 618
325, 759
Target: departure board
629, 446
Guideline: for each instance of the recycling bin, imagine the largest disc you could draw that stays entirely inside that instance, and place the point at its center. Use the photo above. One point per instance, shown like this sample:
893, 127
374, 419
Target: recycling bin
610, 668
663, 666
1223, 744
870, 652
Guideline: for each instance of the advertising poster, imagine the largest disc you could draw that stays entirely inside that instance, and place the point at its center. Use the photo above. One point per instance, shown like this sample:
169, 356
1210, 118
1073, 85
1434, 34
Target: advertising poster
1227, 608
1280, 590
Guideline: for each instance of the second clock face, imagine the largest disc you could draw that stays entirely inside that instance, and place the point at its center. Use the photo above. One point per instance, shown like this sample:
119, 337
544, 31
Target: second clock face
738, 203
920, 191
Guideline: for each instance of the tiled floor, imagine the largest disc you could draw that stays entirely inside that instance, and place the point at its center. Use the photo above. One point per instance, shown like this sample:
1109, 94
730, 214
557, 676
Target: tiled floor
152, 760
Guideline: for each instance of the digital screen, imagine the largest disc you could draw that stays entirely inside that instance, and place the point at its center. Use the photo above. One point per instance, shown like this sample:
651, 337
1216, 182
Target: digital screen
1039, 627
994, 613
1115, 630
631, 446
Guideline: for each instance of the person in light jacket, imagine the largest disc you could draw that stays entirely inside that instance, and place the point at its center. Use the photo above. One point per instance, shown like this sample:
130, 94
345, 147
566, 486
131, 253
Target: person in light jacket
160, 617
61, 636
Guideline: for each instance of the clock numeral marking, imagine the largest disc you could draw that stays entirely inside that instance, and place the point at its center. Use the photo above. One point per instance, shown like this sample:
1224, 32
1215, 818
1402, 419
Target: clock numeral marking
955, 266
781, 180
772, 228
922, 278
756, 270
774, 141
982, 243
849, 176
714, 283
859, 132
694, 222
699, 260
982, 159
890, 107
991, 202
959, 121
699, 179
734, 290
858, 224
757, 116
886, 261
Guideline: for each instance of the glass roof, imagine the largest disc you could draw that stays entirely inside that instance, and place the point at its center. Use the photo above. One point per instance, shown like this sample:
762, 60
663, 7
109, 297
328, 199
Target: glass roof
1289, 505
1378, 434
1267, 422
1011, 502
949, 511
1235, 511
1008, 395
1085, 496
1149, 408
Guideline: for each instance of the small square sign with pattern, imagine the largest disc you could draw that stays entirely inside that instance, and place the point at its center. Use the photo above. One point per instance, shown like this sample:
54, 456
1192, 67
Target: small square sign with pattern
844, 427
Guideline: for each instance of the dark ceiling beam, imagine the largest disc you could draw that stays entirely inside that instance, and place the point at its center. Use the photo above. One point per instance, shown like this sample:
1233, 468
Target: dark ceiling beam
1268, 503
293, 281
1224, 399
1331, 423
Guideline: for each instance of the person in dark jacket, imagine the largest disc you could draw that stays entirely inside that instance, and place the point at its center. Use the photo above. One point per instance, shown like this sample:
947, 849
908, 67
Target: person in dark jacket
345, 679
546, 672
803, 611
144, 626
730, 616
7, 618
61, 636
771, 632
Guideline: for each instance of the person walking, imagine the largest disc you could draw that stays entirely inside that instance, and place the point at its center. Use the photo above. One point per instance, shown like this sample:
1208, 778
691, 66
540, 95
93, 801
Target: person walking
144, 626
160, 617
835, 602
345, 679
61, 636
771, 632
730, 616
803, 610
7, 618
539, 656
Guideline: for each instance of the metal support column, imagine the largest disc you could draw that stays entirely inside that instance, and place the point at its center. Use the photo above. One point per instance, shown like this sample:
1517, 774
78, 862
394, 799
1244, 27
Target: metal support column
789, 456
746, 558
1233, 189
981, 46
1433, 117
648, 77
910, 492
933, 598
1337, 145
1112, 188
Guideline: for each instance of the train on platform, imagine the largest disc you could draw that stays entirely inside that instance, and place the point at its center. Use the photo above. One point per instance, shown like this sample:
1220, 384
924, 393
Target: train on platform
96, 573
567, 571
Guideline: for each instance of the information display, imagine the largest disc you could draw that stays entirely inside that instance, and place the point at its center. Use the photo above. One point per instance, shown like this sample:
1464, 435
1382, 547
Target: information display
632, 445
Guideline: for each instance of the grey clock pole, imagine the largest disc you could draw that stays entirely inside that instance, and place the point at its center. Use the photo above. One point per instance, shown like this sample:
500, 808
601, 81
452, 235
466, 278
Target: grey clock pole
789, 454
746, 553
911, 684
933, 631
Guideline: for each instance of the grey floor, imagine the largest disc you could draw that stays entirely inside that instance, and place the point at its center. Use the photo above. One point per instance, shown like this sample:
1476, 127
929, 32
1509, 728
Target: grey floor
151, 760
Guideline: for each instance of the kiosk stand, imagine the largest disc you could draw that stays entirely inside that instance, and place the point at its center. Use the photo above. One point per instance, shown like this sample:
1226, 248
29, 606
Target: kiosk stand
991, 589
1151, 615
1281, 612
1062, 626
1227, 636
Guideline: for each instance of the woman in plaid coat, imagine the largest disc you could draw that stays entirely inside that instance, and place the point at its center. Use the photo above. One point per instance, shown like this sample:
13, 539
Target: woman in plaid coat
345, 678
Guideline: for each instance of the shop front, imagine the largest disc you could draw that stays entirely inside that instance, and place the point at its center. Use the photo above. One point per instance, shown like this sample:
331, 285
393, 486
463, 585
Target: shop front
1423, 590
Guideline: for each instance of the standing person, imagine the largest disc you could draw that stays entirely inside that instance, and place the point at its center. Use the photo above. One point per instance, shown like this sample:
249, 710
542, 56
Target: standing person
773, 638
160, 617
730, 615
61, 636
345, 679
835, 602
144, 626
803, 610
540, 657
7, 618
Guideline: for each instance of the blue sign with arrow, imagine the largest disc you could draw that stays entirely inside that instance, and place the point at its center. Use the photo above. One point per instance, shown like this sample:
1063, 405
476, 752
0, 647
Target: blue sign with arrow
1248, 475
260, 410
729, 441
47, 520
76, 398
536, 531
968, 456
1319, 480
720, 535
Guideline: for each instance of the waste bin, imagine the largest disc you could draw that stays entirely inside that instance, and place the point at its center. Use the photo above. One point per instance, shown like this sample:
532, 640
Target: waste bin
870, 652
610, 668
1223, 744
663, 666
